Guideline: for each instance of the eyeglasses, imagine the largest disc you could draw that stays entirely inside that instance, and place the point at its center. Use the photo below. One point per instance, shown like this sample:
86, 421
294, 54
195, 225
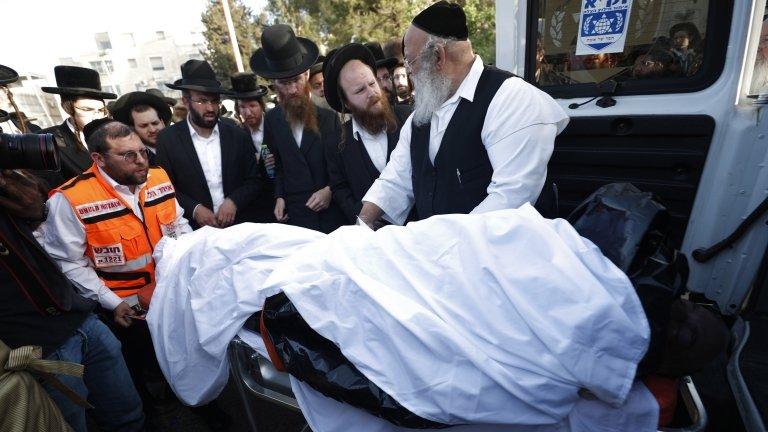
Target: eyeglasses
384, 78
203, 102
86, 110
131, 156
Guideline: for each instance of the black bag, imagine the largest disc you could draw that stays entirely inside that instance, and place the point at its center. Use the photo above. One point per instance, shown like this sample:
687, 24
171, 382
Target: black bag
296, 348
631, 228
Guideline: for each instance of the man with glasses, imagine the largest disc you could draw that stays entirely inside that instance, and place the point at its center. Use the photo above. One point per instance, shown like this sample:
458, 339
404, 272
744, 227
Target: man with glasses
298, 132
83, 100
102, 228
211, 163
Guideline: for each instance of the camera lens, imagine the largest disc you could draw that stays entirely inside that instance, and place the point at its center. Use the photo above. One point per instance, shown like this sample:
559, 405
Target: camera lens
29, 151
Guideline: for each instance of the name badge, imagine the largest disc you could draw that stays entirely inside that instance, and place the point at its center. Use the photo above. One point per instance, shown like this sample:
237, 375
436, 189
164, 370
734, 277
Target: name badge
169, 230
108, 256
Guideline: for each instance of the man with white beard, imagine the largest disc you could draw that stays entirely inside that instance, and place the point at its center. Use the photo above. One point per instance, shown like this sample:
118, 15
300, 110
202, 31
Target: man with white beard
479, 138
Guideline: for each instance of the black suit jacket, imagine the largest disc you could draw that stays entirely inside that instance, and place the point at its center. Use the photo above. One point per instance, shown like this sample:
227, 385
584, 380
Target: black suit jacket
73, 157
302, 170
351, 169
240, 178
264, 207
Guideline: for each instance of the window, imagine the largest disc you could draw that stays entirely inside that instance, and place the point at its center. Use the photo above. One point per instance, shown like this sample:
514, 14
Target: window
132, 63
102, 66
128, 40
759, 82
160, 34
157, 63
102, 41
670, 46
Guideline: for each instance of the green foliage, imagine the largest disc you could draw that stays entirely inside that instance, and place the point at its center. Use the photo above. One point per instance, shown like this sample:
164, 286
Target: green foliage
218, 46
332, 23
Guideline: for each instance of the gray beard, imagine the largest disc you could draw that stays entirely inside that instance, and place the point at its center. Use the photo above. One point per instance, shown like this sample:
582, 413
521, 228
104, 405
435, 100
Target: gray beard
432, 89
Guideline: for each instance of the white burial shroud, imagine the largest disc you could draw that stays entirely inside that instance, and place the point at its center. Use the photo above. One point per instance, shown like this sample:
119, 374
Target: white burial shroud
495, 319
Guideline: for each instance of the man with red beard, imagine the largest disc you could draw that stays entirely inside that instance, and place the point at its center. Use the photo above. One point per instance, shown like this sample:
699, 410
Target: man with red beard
297, 132
351, 86
211, 163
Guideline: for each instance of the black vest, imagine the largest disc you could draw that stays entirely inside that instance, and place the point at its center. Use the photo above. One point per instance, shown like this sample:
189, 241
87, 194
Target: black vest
459, 179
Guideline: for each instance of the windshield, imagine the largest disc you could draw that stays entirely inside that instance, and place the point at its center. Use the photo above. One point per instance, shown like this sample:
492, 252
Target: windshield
591, 41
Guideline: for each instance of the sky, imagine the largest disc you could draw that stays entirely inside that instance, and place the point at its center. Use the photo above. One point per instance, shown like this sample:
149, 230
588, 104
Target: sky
38, 33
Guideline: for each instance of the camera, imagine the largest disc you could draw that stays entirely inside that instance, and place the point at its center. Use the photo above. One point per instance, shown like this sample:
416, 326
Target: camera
28, 151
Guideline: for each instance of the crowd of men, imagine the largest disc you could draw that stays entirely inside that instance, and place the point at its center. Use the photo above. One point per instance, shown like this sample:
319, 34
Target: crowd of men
429, 130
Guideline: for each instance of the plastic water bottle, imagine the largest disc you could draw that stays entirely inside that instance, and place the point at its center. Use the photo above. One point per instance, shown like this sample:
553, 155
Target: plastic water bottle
264, 153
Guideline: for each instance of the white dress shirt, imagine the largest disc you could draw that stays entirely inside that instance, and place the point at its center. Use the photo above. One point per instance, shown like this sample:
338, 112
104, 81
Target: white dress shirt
298, 132
257, 136
375, 145
518, 134
209, 153
63, 237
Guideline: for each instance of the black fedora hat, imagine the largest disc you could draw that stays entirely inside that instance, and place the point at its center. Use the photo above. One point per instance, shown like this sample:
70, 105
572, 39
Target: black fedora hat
7, 75
198, 75
318, 66
244, 86
378, 54
282, 54
78, 81
121, 109
332, 68
156, 92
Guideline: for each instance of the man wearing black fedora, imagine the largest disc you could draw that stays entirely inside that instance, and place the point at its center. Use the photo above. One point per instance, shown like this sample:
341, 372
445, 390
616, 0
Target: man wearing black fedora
297, 132
147, 114
384, 68
211, 163
316, 83
83, 100
369, 136
250, 109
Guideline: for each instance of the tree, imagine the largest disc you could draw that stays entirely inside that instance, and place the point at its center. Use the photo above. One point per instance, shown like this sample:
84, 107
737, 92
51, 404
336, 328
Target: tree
481, 22
218, 46
332, 23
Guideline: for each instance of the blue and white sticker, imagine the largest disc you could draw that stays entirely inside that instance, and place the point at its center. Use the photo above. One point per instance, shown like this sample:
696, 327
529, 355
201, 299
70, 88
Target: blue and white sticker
603, 26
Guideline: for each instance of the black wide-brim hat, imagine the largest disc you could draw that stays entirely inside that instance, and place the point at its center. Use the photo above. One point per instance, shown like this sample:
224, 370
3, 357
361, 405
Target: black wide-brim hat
169, 100
282, 54
121, 109
244, 86
378, 54
198, 75
334, 62
78, 81
7, 75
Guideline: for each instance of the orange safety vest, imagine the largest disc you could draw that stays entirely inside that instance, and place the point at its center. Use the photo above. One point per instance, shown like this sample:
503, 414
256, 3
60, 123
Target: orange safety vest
119, 244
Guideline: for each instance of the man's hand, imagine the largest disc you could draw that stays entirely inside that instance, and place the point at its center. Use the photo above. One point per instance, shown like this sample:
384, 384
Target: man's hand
280, 214
204, 216
320, 200
122, 312
24, 194
226, 214
269, 161
370, 214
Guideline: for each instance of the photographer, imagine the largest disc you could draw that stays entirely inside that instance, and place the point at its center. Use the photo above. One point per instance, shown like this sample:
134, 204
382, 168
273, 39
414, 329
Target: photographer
39, 306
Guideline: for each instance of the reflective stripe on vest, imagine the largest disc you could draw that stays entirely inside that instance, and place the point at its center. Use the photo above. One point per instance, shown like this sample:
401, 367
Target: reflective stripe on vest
119, 244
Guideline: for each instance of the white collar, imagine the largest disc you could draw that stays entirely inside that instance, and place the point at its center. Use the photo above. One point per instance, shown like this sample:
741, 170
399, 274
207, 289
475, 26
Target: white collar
468, 86
193, 131
258, 129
